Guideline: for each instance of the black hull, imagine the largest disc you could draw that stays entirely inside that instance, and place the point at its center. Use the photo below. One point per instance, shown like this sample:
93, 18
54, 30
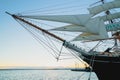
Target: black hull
106, 68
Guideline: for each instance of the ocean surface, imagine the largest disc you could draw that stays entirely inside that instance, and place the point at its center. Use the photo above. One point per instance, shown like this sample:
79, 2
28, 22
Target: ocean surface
45, 75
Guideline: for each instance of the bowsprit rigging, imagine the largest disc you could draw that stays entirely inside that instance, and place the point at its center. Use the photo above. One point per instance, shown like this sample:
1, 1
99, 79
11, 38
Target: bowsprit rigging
103, 28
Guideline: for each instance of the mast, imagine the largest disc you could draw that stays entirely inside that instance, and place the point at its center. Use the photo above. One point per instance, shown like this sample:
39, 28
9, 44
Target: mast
35, 26
111, 21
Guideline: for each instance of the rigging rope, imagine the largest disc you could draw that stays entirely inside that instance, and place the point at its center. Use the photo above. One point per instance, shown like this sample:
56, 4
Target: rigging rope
57, 32
75, 55
53, 7
50, 43
60, 53
91, 65
48, 40
39, 40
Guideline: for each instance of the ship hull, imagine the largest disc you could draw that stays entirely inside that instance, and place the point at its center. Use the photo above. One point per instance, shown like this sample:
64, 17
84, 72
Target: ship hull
106, 68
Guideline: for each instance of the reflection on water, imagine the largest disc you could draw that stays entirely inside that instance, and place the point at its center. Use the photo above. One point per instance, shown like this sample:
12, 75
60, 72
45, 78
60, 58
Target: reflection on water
44, 75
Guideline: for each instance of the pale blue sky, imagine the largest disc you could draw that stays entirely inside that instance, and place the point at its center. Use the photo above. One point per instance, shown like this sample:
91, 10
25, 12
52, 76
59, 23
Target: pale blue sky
17, 47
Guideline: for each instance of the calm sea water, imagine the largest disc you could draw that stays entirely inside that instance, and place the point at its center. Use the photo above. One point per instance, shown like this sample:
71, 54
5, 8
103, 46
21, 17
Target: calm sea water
44, 75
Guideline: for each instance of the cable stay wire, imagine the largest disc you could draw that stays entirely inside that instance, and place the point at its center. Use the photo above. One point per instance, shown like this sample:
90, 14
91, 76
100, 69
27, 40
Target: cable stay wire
75, 54
42, 42
55, 51
54, 46
33, 35
57, 10
91, 65
50, 42
53, 6
60, 53
39, 40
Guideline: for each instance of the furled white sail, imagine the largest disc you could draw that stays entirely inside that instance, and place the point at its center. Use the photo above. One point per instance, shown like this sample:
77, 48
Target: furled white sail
87, 36
71, 28
96, 26
96, 30
104, 7
72, 19
76, 28
111, 16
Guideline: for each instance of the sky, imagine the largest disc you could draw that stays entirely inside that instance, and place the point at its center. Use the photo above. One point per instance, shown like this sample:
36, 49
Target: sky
17, 47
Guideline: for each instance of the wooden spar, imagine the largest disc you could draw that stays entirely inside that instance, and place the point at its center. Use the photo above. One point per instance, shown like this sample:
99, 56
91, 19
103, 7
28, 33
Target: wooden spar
101, 39
35, 26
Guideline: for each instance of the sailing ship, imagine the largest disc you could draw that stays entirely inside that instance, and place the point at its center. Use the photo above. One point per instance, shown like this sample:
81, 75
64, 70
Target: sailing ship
93, 28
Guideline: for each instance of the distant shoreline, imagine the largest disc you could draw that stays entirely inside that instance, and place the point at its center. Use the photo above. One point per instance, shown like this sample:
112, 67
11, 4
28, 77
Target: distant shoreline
38, 69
